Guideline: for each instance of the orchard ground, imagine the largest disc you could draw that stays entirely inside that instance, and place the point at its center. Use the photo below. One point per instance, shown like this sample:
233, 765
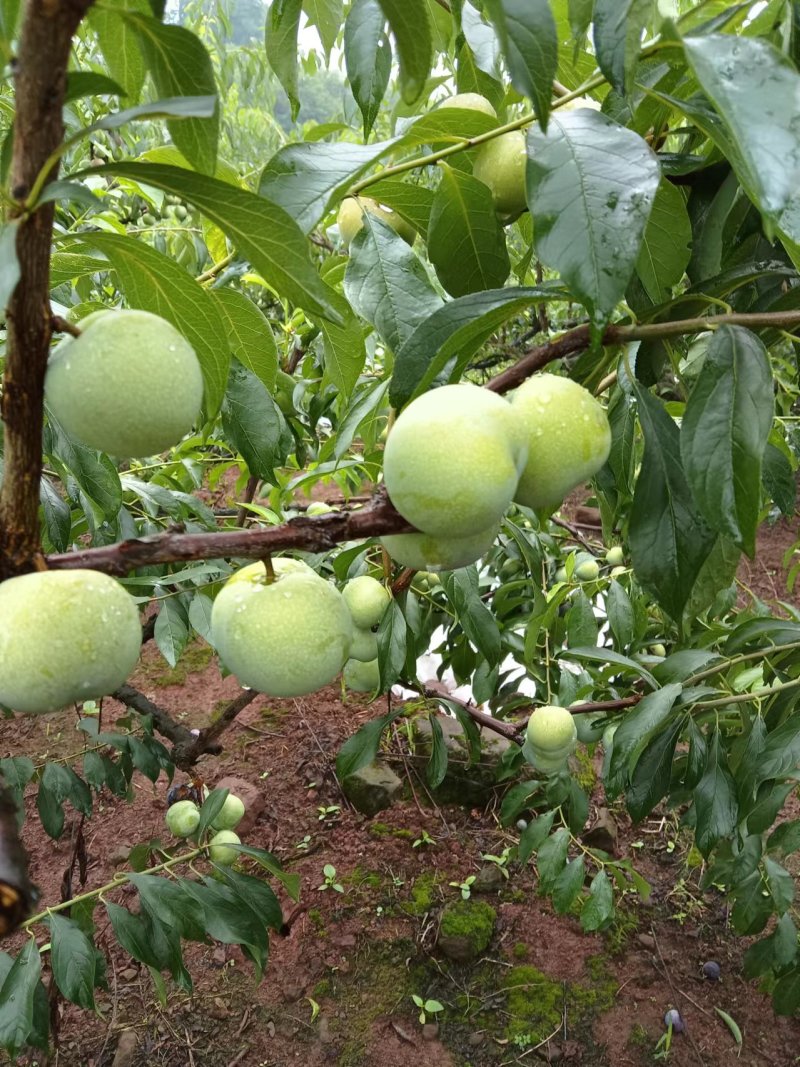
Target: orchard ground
360, 955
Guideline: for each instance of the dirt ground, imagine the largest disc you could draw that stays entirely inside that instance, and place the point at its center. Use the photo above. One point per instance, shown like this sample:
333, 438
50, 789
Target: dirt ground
340, 979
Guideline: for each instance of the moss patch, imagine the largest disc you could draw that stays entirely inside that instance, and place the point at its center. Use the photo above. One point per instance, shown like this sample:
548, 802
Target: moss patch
535, 1004
424, 894
382, 829
583, 769
466, 928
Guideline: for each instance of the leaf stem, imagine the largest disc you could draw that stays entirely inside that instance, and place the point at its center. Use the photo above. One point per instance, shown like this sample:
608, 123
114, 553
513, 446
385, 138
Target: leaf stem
741, 698
723, 664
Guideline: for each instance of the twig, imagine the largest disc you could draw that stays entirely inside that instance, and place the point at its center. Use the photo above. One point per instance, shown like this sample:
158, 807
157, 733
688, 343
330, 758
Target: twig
573, 531
62, 325
249, 493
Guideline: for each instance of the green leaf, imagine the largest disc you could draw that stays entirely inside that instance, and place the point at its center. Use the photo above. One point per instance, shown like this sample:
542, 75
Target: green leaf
534, 835
459, 328
200, 615
581, 623
665, 250
17, 998
637, 728
257, 895
410, 25
344, 349
253, 422
529, 39
171, 630
781, 885
120, 43
305, 179
617, 32
715, 575
57, 784
437, 764
93, 471
774, 952
392, 636
551, 858
367, 58
73, 960
9, 264
262, 231
611, 659
621, 617
386, 284
785, 838
210, 809
362, 747
752, 907
568, 885
281, 30
476, 620
179, 65
466, 243
82, 83
669, 539
16, 772
177, 107
715, 800
778, 478
651, 775
749, 81
326, 17
250, 335
724, 433
598, 911
153, 282
786, 994
591, 186
412, 202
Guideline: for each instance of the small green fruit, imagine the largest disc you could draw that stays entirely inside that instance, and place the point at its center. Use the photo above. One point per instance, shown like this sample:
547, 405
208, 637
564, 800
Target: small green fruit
587, 571
364, 646
590, 728
130, 385
658, 650
453, 460
469, 102
617, 571
351, 219
615, 556
319, 507
281, 565
65, 636
231, 813
367, 599
511, 568
362, 677
220, 851
148, 219
551, 729
423, 553
561, 574
286, 638
183, 818
568, 437
501, 164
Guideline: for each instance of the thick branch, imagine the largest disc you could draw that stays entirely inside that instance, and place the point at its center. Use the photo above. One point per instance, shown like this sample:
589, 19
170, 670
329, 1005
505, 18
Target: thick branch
207, 739
162, 720
38, 130
317, 534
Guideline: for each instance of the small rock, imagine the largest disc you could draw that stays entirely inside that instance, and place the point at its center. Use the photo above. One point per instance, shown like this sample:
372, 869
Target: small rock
126, 1049
130, 974
119, 854
603, 834
292, 992
476, 1039
251, 796
466, 929
344, 941
430, 1031
324, 1029
488, 879
372, 788
646, 941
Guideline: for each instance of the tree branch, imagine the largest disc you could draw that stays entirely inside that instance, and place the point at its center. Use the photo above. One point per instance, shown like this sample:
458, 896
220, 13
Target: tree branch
319, 533
40, 77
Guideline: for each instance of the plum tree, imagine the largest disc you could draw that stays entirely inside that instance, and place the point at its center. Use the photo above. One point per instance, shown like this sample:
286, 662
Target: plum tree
501, 164
130, 384
65, 636
568, 435
287, 637
453, 460
350, 219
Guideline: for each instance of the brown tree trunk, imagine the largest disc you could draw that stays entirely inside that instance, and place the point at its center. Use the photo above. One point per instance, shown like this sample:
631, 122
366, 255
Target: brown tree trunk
41, 75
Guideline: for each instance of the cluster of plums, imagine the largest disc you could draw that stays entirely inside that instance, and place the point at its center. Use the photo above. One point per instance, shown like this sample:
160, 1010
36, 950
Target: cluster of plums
183, 819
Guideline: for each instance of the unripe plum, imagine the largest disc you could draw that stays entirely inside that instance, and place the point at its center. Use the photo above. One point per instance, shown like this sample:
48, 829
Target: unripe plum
367, 600
421, 552
65, 636
501, 164
362, 677
615, 556
286, 638
587, 570
130, 385
351, 219
220, 851
364, 646
230, 814
568, 437
469, 102
319, 507
552, 730
183, 818
453, 460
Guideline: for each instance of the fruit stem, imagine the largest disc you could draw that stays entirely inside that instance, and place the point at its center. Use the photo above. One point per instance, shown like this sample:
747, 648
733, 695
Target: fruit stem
267, 561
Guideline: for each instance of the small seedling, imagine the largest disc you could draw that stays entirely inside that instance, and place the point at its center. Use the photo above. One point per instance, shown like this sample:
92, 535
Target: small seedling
426, 1007
328, 812
423, 839
465, 886
329, 873
305, 844
500, 861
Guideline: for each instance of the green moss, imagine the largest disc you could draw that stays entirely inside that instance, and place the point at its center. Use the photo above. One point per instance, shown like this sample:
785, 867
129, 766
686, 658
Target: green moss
382, 829
583, 769
315, 917
599, 995
359, 877
638, 1037
520, 950
535, 1005
470, 919
625, 923
423, 895
196, 657
694, 858
324, 988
